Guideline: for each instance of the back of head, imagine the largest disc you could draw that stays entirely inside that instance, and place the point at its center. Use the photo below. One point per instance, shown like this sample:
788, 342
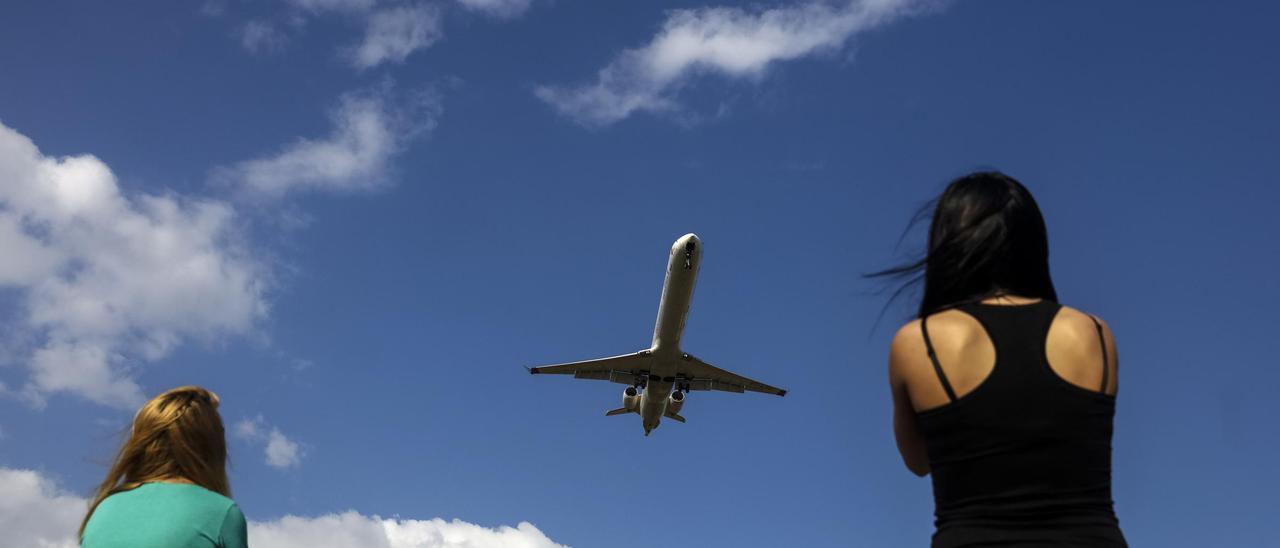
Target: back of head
176, 436
986, 238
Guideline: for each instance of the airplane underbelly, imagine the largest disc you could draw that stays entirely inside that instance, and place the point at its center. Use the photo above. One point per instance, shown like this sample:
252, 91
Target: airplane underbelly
655, 404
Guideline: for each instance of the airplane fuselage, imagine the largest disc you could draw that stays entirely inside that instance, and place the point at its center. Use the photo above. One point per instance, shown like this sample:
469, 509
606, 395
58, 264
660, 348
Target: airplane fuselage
673, 309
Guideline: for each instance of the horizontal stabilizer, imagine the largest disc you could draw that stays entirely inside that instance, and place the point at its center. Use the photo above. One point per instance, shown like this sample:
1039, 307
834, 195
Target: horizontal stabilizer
618, 411
673, 416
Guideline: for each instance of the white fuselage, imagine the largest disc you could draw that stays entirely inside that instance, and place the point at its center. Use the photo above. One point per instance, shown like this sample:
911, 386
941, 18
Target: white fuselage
677, 292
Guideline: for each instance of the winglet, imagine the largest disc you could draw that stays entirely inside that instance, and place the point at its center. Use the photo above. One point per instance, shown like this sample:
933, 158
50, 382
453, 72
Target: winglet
532, 370
782, 392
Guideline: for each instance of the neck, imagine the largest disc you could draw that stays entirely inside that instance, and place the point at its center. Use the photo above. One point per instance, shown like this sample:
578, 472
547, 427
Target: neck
1008, 299
171, 479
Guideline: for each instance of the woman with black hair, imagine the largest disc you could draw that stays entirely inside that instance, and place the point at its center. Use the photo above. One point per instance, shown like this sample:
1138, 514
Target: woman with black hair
1003, 395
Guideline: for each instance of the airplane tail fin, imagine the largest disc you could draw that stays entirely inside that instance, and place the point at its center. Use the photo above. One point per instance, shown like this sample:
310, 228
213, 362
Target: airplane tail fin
618, 411
674, 416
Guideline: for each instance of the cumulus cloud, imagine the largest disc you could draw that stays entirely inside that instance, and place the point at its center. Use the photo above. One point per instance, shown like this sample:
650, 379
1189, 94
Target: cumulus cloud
34, 512
393, 33
107, 281
369, 128
351, 529
280, 451
259, 36
732, 42
497, 8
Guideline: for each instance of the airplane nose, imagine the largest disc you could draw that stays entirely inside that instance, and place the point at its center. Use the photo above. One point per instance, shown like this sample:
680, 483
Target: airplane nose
688, 246
687, 243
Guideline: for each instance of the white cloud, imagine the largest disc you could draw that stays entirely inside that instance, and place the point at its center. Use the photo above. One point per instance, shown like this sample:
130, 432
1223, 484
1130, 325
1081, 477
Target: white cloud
498, 8
35, 513
393, 33
249, 429
732, 42
107, 280
280, 451
351, 529
369, 128
260, 36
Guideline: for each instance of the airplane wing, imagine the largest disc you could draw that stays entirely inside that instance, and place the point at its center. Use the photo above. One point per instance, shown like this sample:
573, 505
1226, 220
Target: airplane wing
700, 375
624, 369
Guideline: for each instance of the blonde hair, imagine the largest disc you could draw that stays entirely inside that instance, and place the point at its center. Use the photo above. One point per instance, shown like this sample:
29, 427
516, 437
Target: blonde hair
178, 435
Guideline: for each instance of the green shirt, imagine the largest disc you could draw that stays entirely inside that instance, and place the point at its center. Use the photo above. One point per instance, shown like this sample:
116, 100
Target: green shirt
166, 515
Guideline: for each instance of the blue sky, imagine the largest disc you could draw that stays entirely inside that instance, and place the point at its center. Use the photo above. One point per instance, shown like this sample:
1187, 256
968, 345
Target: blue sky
379, 225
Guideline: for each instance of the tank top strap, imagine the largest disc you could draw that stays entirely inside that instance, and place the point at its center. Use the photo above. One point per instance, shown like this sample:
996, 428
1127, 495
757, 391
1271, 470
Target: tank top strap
933, 357
1102, 340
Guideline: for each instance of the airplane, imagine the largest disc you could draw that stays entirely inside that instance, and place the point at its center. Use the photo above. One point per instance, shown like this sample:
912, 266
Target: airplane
660, 376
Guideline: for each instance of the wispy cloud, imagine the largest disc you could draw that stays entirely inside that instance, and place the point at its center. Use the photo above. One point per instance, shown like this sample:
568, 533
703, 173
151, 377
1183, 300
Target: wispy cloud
280, 451
333, 5
392, 30
258, 36
212, 8
728, 41
369, 128
108, 281
35, 512
502, 9
391, 34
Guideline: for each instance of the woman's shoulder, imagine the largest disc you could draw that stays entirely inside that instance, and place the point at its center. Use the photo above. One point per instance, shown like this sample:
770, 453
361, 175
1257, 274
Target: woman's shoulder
951, 333
949, 324
1078, 329
153, 510
187, 493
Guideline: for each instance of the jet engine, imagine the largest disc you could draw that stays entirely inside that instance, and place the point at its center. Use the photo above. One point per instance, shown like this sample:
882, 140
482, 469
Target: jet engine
631, 398
675, 402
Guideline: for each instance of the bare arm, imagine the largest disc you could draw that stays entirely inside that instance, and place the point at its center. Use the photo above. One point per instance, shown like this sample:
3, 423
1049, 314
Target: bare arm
905, 429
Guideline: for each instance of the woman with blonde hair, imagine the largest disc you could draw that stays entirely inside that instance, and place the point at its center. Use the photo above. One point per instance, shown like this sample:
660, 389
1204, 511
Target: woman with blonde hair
168, 485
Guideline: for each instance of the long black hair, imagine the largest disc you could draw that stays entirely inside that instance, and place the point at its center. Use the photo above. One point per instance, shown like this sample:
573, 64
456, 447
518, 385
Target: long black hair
987, 238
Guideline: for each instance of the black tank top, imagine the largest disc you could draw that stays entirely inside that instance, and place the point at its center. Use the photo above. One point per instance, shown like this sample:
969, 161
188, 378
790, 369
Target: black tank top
1024, 459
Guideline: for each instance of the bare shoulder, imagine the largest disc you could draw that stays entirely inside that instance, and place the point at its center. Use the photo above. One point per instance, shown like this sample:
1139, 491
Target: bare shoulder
1079, 324
948, 330
1075, 352
909, 339
965, 355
